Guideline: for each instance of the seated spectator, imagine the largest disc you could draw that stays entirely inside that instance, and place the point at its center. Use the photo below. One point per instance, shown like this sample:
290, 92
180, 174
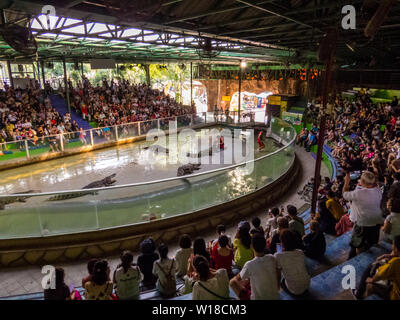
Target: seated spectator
314, 242
183, 254
385, 268
272, 223
241, 246
90, 268
99, 287
127, 277
325, 218
344, 225
210, 284
274, 241
222, 255
146, 260
199, 247
61, 291
334, 207
291, 262
391, 227
295, 223
261, 272
221, 230
256, 222
164, 269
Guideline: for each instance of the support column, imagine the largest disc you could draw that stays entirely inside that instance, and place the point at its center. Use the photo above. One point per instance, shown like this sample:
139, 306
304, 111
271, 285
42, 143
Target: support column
147, 70
326, 55
66, 86
91, 137
10, 74
191, 82
82, 68
43, 76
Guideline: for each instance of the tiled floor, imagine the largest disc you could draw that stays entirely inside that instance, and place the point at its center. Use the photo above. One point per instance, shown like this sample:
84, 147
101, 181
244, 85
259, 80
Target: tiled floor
24, 280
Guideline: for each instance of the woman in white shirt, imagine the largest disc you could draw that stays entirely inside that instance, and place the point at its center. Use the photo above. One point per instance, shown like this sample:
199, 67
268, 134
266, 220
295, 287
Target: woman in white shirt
183, 254
127, 278
292, 264
210, 284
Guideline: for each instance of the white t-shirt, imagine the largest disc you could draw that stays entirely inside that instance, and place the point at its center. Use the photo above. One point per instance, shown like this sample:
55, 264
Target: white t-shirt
182, 257
294, 270
262, 273
365, 206
218, 284
127, 284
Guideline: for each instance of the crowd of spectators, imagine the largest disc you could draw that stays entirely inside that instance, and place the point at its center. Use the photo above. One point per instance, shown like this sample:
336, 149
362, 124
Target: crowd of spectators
120, 102
26, 114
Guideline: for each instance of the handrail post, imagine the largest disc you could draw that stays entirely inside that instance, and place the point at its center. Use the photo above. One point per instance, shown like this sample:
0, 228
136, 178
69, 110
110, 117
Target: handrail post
205, 117
27, 149
116, 133
139, 133
61, 142
191, 120
158, 124
91, 137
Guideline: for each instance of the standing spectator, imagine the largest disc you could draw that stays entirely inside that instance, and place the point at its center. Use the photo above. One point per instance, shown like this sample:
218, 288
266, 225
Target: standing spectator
365, 212
291, 262
272, 223
164, 269
210, 284
99, 288
261, 271
127, 278
61, 291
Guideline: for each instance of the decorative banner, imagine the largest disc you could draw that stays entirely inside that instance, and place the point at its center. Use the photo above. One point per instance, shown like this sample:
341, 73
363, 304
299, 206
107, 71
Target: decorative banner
226, 98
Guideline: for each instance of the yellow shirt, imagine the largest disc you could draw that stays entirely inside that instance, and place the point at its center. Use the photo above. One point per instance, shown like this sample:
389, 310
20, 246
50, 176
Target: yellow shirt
242, 254
335, 208
391, 271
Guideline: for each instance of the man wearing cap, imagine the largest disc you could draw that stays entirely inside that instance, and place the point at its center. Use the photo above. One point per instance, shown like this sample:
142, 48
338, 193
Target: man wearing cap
365, 212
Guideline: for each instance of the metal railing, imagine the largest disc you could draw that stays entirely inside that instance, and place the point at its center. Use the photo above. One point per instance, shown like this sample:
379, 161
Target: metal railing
64, 212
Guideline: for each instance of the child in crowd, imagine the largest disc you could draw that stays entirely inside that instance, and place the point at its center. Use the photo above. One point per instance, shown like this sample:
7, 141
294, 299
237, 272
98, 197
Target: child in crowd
314, 242
183, 254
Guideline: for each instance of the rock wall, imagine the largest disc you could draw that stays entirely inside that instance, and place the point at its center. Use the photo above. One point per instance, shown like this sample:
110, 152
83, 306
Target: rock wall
218, 88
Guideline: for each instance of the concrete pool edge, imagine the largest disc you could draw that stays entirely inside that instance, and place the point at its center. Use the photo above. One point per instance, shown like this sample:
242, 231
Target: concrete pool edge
78, 246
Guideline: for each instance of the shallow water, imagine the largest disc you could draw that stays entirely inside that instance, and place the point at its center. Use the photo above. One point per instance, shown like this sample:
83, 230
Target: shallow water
126, 205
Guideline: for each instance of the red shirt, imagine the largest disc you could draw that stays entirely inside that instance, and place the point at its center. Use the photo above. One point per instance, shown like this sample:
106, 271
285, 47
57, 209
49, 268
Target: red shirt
222, 262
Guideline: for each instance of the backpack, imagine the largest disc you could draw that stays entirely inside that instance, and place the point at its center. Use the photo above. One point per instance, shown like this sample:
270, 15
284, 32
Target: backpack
169, 284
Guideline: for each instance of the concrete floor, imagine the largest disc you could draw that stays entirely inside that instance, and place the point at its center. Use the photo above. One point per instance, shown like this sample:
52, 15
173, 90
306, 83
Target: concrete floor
24, 280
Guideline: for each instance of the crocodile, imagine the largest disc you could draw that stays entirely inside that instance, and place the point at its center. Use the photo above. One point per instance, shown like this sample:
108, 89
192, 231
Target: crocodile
11, 199
106, 182
157, 149
188, 169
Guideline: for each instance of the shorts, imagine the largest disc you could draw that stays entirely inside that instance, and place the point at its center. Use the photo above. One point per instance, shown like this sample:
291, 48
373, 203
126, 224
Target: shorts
365, 237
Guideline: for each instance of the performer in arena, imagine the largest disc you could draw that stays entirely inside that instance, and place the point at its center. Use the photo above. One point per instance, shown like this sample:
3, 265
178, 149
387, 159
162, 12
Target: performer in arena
221, 143
260, 141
